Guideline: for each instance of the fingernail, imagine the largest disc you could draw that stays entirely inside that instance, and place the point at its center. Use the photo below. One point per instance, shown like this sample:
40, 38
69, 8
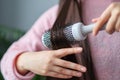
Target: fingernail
79, 74
83, 69
79, 49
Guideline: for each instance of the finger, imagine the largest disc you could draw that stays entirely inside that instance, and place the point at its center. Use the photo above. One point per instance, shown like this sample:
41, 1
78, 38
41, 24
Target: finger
110, 27
118, 24
103, 19
67, 51
58, 75
65, 71
70, 65
95, 19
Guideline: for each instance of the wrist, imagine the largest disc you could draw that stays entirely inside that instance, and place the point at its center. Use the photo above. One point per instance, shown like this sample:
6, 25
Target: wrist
20, 64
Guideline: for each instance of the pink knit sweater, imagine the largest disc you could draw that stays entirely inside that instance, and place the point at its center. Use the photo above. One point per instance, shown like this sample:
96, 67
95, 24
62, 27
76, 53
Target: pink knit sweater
105, 48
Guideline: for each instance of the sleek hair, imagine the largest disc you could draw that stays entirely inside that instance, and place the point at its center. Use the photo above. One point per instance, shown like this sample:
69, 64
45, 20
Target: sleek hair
70, 12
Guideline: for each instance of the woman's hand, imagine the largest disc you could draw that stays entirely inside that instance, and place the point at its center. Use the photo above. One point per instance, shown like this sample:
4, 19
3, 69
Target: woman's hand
111, 16
48, 63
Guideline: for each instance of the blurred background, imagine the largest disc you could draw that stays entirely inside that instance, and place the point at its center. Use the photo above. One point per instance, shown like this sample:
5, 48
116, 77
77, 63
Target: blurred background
22, 13
16, 17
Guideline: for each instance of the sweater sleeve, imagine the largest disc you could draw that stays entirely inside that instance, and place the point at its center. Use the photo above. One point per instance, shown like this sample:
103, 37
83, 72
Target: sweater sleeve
31, 41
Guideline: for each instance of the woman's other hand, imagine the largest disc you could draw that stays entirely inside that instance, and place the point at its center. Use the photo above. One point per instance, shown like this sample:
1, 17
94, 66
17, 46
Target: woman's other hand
111, 16
49, 63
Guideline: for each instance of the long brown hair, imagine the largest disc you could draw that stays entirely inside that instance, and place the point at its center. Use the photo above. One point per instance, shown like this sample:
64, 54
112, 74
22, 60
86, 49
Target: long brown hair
69, 13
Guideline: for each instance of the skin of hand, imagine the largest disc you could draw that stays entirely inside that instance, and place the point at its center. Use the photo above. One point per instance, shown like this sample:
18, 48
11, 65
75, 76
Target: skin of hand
111, 16
49, 63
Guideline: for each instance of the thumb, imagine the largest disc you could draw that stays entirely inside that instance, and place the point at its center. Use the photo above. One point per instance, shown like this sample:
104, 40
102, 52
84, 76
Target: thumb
95, 19
67, 51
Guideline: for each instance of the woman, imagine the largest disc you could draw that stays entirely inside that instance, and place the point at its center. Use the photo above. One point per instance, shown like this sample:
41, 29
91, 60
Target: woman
26, 55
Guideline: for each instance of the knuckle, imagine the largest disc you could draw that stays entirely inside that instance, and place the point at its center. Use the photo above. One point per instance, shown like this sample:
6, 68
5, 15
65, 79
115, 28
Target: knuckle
77, 66
74, 73
117, 29
49, 60
66, 63
101, 18
44, 72
109, 30
45, 69
71, 72
60, 76
62, 71
116, 12
112, 5
73, 65
52, 53
68, 72
54, 74
63, 50
74, 50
